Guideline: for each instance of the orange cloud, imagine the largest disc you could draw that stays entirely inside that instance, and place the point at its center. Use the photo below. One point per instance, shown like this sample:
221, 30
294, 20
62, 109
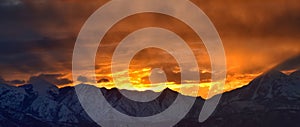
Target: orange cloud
257, 35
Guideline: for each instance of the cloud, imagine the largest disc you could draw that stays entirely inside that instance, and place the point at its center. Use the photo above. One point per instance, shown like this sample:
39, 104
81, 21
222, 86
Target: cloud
37, 56
32, 42
13, 82
103, 80
56, 79
38, 36
255, 18
16, 82
10, 3
82, 79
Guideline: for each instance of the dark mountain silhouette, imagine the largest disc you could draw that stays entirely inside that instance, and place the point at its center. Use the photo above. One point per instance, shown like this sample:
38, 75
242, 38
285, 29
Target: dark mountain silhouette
270, 100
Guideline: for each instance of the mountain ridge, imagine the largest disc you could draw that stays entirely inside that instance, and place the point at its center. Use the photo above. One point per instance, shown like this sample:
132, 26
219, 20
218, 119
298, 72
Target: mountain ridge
270, 95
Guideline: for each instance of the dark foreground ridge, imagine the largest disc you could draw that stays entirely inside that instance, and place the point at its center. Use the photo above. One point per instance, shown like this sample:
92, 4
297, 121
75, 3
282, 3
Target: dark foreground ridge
270, 100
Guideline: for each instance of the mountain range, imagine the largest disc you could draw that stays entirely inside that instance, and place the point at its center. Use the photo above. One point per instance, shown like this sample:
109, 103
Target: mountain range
270, 100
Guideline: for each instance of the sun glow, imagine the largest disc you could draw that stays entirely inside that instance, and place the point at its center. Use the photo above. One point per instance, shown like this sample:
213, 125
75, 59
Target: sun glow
139, 81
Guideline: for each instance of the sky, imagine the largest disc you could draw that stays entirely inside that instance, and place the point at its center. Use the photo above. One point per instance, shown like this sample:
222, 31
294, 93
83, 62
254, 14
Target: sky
37, 40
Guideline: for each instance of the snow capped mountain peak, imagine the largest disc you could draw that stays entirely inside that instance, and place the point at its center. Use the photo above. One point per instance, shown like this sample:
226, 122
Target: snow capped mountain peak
296, 74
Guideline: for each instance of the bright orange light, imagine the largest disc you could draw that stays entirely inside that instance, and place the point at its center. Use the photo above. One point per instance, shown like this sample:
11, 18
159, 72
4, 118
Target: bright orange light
140, 83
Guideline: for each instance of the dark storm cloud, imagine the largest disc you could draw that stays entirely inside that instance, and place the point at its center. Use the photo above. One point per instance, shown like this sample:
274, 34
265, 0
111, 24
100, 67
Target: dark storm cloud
286, 24
24, 49
10, 2
31, 57
82, 79
254, 18
37, 36
56, 79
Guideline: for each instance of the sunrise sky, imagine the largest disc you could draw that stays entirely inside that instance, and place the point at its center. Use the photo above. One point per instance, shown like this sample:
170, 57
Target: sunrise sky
37, 39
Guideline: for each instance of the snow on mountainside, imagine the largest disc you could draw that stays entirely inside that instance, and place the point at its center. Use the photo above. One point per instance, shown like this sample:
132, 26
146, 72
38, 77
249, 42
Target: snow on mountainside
35, 105
271, 99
